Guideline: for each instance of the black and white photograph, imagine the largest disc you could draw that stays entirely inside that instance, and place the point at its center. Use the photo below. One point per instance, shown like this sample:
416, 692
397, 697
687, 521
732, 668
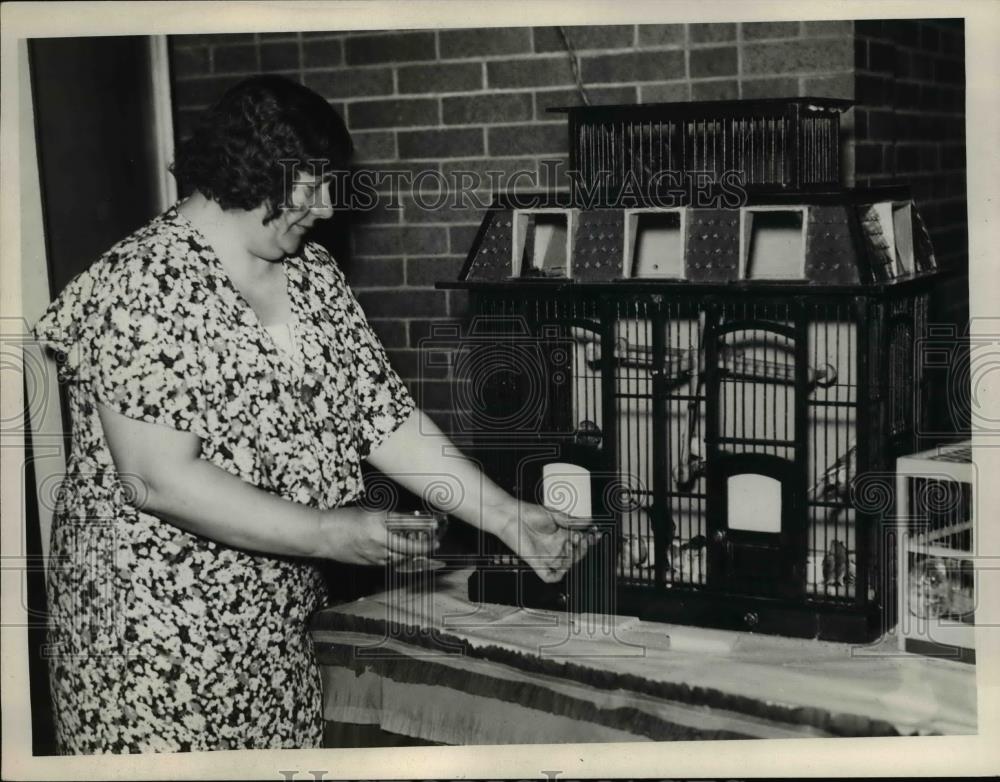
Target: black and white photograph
504, 390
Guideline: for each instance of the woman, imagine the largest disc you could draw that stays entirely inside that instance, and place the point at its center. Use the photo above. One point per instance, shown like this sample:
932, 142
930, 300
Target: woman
225, 388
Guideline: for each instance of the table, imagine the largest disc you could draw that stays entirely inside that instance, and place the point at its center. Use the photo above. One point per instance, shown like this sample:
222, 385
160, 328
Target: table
421, 661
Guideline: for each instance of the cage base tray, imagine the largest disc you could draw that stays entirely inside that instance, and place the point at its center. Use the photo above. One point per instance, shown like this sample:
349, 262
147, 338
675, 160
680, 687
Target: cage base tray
941, 651
843, 623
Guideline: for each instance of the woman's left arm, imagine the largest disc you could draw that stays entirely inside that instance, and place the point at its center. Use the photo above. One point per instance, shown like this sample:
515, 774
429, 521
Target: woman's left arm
419, 456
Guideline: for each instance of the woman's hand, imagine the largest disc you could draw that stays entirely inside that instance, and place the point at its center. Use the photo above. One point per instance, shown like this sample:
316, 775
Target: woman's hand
361, 537
547, 540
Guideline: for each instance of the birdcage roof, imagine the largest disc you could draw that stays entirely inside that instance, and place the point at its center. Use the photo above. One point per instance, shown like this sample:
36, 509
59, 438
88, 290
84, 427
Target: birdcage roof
711, 108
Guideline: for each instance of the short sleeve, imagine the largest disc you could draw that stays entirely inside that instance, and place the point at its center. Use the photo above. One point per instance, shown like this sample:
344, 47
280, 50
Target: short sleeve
383, 401
147, 358
139, 356
62, 325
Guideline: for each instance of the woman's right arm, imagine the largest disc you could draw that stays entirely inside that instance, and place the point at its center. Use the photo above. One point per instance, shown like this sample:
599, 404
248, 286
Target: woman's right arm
171, 481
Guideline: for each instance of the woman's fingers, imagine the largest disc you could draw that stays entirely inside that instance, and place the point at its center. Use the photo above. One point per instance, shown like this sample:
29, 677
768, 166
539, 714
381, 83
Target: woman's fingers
552, 541
412, 546
565, 521
567, 551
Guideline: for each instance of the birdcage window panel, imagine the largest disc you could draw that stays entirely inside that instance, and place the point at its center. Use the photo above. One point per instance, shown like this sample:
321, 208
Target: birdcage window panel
654, 241
543, 242
888, 231
902, 234
754, 503
773, 243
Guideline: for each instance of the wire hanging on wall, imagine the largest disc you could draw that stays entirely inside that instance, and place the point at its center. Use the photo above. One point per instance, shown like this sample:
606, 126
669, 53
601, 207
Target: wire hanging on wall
574, 64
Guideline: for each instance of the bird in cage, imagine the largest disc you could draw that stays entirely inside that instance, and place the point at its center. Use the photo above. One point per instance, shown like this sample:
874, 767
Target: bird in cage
929, 588
837, 569
635, 549
687, 560
684, 559
633, 552
836, 479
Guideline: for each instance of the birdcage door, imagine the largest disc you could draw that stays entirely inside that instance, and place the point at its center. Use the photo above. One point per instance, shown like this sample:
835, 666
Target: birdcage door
756, 382
753, 509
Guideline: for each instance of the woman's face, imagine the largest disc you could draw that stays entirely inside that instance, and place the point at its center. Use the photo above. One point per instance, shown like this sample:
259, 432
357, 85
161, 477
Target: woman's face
308, 202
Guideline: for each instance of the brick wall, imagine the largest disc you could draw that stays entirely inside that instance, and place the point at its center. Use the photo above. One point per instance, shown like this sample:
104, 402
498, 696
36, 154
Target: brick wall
910, 128
910, 120
447, 100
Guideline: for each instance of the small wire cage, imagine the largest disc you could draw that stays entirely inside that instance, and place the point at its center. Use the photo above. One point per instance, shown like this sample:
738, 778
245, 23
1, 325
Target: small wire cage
936, 546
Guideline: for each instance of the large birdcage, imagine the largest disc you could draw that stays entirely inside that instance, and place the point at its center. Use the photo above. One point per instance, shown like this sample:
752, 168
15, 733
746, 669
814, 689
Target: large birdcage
735, 377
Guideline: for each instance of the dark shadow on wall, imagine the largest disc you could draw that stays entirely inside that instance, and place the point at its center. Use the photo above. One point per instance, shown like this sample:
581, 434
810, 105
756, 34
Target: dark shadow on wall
42, 729
93, 127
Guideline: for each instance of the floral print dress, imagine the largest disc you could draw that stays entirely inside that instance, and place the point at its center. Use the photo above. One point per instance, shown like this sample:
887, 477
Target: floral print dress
163, 640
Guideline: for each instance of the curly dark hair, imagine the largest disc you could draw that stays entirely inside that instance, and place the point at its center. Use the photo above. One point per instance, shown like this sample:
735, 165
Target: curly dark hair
239, 152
